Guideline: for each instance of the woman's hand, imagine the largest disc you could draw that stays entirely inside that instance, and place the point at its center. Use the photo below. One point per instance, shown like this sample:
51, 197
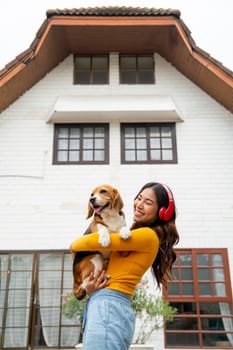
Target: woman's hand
97, 282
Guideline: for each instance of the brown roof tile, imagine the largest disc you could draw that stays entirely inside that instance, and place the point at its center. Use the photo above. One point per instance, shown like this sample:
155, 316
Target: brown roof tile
113, 11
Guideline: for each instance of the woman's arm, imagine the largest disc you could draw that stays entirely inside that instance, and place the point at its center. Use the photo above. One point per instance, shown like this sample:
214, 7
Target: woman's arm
142, 239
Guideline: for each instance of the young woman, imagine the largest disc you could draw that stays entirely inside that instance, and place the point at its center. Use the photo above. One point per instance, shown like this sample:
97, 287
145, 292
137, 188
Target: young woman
109, 319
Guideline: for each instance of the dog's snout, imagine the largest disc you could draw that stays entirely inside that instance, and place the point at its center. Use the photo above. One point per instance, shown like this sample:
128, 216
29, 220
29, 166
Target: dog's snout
92, 200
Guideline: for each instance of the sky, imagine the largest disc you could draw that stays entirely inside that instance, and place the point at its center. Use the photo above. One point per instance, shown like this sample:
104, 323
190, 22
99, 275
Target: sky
210, 22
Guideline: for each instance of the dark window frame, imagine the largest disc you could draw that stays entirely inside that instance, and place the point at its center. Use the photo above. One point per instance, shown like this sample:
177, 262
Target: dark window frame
136, 71
33, 306
199, 321
81, 126
91, 71
148, 148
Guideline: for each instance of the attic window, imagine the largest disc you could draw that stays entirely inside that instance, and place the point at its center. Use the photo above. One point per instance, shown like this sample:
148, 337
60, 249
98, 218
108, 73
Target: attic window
90, 70
137, 69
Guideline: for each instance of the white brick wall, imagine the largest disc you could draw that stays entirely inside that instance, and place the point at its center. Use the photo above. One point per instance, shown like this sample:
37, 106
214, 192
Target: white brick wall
43, 206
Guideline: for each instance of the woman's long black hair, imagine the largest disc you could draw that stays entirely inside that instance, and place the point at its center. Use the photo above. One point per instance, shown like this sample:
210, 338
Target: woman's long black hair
167, 233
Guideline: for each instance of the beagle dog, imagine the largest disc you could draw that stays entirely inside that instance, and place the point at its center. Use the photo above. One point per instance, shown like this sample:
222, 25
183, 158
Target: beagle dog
105, 205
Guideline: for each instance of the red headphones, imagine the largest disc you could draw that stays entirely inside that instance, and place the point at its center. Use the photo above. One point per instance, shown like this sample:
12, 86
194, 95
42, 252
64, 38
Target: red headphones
166, 214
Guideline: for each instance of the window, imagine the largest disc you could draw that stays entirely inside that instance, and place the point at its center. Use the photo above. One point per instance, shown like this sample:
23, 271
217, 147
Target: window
81, 144
137, 69
148, 143
31, 289
91, 69
201, 293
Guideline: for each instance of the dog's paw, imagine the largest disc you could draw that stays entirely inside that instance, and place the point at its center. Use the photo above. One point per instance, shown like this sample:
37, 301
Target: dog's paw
104, 240
125, 233
104, 237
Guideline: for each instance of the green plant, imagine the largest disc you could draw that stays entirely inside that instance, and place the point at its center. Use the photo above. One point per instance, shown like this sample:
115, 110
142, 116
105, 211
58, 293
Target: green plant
151, 311
72, 307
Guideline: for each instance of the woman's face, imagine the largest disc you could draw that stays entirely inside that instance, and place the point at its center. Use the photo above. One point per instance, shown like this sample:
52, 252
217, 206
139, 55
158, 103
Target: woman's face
145, 207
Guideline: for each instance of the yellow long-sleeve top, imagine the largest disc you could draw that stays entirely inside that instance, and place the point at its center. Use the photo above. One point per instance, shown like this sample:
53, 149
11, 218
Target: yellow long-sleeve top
125, 271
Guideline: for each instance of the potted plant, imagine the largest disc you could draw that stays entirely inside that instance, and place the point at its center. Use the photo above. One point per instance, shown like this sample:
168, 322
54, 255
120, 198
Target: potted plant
150, 311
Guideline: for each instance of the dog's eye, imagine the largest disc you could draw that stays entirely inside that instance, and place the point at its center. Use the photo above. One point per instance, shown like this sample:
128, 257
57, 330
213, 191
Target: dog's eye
103, 191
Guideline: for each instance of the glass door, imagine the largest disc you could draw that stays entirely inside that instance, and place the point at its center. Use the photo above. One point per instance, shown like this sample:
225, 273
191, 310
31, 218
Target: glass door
31, 289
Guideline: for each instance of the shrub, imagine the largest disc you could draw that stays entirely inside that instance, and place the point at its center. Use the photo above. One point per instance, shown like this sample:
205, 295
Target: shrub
151, 311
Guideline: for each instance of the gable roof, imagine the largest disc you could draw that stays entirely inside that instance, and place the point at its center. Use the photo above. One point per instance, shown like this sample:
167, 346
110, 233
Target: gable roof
115, 29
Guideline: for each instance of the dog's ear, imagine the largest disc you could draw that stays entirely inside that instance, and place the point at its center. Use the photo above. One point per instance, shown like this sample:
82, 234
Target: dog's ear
90, 211
117, 200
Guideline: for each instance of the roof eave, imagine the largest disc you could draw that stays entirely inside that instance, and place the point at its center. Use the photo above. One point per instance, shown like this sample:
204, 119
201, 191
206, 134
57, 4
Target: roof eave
61, 35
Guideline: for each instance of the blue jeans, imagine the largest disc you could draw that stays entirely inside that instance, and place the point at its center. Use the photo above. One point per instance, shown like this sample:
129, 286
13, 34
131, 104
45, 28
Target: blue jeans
109, 321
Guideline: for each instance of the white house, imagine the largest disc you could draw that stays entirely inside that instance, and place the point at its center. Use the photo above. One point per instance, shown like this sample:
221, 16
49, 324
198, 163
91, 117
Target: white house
121, 96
